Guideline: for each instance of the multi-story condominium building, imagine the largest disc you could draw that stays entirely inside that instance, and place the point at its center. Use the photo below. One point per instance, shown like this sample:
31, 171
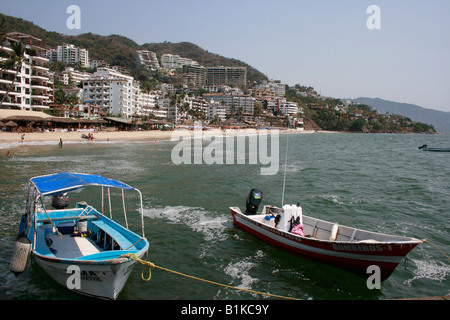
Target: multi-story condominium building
153, 103
172, 61
28, 85
147, 58
282, 106
168, 87
112, 90
226, 76
275, 86
232, 102
196, 103
121, 69
70, 54
70, 75
289, 108
194, 75
99, 63
216, 109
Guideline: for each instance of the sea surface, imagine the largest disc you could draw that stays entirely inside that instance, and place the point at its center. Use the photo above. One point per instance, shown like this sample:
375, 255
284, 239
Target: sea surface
379, 182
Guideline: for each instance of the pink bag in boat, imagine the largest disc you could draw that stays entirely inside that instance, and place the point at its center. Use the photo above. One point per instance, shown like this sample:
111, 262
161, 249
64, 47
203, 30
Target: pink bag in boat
298, 229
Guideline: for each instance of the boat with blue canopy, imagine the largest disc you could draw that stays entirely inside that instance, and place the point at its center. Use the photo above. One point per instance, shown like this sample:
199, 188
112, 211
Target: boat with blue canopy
80, 248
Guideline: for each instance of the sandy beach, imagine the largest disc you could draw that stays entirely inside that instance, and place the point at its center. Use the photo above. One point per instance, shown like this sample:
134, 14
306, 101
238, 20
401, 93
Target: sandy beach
11, 137
154, 135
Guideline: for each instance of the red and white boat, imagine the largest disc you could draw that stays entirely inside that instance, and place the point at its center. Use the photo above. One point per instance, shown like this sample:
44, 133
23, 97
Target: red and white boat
345, 247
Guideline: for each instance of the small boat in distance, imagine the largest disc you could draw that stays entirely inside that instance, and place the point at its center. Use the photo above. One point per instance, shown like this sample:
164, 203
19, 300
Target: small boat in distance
80, 248
344, 247
426, 148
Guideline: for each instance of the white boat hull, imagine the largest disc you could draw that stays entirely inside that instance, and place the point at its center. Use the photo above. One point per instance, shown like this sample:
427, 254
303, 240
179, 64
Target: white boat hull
80, 248
104, 280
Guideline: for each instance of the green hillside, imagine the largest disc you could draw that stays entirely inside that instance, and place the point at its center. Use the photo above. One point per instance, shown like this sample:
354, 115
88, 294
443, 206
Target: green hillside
119, 50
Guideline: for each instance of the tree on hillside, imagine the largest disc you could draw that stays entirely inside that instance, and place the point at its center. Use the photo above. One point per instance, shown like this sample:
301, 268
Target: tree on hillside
14, 62
357, 125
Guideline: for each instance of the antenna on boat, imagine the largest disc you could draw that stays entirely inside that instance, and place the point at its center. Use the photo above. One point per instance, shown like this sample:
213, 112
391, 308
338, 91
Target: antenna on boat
285, 164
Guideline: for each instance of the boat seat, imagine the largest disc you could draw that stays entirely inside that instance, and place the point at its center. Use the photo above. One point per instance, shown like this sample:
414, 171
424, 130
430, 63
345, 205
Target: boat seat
67, 218
119, 238
334, 232
41, 246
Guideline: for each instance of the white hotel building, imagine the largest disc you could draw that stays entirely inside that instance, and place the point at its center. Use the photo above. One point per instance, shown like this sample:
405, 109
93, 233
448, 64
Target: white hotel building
71, 75
31, 87
172, 61
283, 106
152, 103
70, 54
113, 91
230, 101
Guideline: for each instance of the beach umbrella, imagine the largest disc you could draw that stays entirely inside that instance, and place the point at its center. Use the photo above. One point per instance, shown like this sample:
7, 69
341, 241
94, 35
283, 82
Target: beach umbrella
25, 118
11, 124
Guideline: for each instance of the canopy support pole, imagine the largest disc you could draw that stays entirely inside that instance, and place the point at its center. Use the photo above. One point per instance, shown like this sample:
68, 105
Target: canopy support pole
109, 202
124, 209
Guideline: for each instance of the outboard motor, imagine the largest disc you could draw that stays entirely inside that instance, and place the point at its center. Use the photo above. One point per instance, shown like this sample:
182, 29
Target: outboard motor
253, 201
60, 201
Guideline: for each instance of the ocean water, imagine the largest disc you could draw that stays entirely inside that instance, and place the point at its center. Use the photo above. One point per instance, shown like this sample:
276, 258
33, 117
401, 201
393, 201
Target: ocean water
379, 182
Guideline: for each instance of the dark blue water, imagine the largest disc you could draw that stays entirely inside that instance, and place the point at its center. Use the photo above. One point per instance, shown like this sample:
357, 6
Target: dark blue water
379, 182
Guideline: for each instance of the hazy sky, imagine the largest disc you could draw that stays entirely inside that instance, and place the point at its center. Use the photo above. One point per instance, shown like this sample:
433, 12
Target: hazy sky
325, 44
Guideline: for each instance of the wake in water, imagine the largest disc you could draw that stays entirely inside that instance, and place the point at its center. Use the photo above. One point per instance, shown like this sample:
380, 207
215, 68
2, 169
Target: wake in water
240, 270
429, 269
198, 219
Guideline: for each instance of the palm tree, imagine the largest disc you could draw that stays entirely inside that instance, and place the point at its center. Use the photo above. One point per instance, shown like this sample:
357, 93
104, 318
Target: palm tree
239, 114
184, 108
215, 120
15, 62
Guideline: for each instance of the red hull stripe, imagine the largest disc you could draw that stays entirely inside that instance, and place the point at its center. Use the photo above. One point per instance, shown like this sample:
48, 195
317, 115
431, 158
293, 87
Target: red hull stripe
354, 257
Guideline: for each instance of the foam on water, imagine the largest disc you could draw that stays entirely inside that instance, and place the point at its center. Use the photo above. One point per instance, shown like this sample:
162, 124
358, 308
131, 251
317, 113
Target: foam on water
198, 219
429, 269
240, 270
11, 145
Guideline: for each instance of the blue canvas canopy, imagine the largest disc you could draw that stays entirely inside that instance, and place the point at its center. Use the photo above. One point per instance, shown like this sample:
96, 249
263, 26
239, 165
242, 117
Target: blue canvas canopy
67, 181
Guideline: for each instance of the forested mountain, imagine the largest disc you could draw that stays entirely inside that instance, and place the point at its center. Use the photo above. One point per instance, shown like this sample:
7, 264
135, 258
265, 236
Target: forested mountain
119, 50
319, 112
439, 119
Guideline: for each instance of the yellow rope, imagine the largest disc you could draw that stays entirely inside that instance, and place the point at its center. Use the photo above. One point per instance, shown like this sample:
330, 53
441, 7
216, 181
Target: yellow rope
425, 240
148, 265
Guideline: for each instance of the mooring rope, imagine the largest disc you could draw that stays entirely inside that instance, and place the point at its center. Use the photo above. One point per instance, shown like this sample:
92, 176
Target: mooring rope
426, 240
148, 265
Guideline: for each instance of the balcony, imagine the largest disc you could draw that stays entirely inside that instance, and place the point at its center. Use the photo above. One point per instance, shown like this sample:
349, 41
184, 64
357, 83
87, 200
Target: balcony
9, 81
39, 76
38, 59
39, 96
39, 87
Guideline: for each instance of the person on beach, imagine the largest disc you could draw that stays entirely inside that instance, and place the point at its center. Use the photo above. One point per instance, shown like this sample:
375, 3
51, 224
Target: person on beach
23, 137
9, 154
60, 142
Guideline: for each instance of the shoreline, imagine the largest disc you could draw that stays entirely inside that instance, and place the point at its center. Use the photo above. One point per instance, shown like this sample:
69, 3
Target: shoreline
13, 139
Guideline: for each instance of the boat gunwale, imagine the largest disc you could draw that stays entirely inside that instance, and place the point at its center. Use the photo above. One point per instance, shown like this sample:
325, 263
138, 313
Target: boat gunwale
98, 216
299, 238
119, 260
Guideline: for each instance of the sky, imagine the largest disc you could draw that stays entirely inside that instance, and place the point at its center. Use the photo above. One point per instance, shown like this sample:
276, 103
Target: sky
326, 44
